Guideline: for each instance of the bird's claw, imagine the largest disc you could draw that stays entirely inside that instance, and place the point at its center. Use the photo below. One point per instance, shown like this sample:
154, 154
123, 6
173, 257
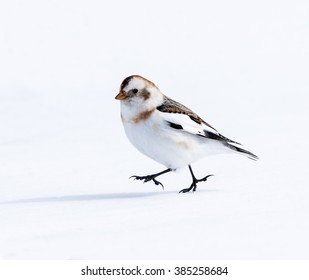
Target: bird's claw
193, 185
158, 183
204, 179
186, 190
147, 179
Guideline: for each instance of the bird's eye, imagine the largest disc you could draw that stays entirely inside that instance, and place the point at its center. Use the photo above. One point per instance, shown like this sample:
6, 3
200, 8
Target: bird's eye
135, 90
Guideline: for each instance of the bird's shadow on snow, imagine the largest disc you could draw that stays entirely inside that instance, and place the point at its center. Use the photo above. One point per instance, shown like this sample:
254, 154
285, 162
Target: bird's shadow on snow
92, 197
89, 197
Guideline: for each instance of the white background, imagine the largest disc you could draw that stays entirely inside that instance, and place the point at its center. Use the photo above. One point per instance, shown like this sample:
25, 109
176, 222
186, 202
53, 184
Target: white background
243, 66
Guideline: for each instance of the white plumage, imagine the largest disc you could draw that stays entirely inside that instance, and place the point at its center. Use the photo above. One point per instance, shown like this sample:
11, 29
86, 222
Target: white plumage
167, 131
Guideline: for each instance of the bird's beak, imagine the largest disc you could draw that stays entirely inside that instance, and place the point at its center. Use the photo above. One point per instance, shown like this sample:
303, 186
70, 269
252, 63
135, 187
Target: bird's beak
120, 96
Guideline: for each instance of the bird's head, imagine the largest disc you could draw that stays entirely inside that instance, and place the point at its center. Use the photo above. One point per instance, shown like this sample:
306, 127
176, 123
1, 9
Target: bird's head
138, 91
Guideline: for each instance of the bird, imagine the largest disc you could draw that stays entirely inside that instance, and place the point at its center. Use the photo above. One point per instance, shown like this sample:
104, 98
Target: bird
167, 131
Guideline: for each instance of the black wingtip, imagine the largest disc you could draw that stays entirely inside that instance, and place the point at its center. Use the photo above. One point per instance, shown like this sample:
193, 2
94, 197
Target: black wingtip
243, 151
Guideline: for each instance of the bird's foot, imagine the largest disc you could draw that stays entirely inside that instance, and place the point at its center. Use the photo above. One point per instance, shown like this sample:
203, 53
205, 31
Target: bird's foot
194, 184
152, 177
148, 178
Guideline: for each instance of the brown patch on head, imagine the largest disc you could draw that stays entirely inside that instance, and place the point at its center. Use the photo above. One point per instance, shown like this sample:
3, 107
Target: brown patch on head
127, 80
143, 116
145, 94
147, 81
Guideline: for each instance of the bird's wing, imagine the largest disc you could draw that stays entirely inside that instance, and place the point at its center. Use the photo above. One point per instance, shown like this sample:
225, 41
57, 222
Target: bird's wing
179, 117
187, 123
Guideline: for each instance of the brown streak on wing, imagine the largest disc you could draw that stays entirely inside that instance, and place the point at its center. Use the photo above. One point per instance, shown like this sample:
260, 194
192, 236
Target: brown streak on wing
172, 106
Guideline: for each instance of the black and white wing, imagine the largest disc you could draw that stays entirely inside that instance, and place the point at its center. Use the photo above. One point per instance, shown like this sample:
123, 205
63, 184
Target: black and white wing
181, 118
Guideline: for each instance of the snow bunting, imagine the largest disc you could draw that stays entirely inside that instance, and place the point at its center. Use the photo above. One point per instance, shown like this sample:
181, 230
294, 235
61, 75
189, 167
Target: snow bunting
167, 131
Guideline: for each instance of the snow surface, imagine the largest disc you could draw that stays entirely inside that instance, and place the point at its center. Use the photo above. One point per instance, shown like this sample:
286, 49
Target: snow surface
64, 158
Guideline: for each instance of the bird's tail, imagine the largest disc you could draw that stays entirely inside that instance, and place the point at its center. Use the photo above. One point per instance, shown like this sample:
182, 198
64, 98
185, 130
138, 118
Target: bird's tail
230, 144
244, 152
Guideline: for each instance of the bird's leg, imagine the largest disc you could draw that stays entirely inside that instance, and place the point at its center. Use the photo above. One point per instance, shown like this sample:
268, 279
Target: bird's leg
152, 177
194, 182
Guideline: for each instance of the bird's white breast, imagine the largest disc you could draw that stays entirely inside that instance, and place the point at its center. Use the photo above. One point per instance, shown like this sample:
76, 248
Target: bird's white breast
154, 138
